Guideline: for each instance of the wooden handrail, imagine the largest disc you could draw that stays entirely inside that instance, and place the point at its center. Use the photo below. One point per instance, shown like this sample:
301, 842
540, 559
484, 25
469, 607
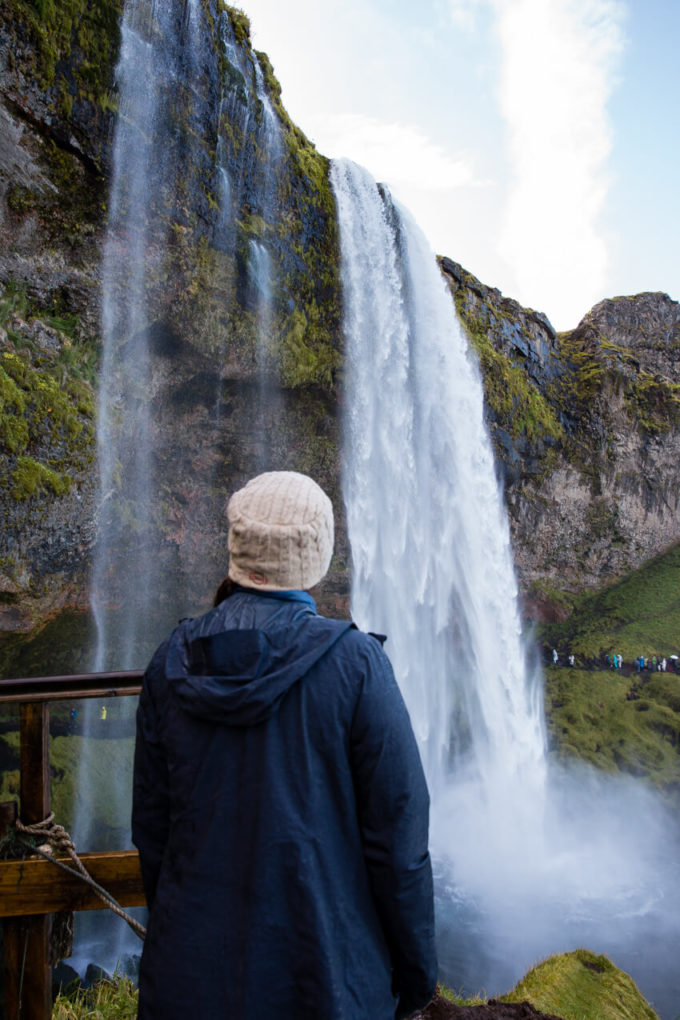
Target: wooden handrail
77, 685
31, 890
36, 886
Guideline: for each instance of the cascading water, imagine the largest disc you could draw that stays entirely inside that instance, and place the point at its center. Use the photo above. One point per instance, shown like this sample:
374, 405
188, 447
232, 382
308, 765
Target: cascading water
415, 432
263, 273
124, 434
125, 373
191, 122
529, 860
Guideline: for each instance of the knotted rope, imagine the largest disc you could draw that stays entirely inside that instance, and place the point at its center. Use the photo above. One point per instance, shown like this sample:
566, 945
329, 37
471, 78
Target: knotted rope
48, 839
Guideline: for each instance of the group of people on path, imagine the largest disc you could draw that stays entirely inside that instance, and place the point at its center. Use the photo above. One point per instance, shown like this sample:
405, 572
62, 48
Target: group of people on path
657, 663
613, 660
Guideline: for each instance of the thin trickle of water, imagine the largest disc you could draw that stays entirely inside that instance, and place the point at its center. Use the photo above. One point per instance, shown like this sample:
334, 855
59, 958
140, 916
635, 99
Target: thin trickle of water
249, 146
249, 156
261, 284
429, 538
529, 860
270, 134
235, 113
194, 30
166, 66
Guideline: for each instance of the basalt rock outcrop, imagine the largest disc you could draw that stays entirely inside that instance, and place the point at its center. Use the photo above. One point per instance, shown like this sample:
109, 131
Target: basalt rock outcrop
585, 425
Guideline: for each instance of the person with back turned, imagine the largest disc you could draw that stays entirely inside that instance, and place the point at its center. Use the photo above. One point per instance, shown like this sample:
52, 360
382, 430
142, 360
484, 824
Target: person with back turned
279, 806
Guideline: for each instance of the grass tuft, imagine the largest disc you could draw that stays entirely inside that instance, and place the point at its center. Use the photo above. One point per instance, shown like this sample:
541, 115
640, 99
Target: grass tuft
106, 1000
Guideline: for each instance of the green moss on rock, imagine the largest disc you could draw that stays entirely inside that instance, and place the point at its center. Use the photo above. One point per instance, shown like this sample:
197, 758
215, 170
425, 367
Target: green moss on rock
76, 36
29, 477
240, 22
517, 404
13, 425
597, 367
46, 403
308, 357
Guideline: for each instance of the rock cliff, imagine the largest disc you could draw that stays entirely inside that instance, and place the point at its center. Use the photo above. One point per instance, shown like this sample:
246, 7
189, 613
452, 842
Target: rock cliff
585, 424
277, 407
586, 427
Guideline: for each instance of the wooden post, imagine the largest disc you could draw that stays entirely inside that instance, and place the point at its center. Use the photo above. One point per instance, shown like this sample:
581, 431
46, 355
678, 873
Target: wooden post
8, 816
28, 975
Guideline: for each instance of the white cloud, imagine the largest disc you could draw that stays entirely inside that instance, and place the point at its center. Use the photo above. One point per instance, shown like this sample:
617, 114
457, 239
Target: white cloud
559, 60
399, 154
463, 12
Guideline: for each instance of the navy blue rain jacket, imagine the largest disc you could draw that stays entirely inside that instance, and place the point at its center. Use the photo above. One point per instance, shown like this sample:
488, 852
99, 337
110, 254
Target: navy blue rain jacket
281, 815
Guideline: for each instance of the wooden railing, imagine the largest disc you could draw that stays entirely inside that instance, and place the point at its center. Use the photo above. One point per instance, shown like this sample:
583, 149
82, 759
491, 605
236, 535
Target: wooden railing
33, 889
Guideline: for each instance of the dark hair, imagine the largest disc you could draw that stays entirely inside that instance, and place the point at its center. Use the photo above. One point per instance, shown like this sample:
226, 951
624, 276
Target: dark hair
224, 590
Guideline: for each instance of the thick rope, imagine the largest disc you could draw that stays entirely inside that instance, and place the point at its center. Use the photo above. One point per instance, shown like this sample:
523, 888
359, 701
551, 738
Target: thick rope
56, 840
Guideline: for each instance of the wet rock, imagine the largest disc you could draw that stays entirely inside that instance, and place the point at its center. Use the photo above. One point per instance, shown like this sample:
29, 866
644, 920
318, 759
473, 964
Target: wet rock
65, 979
93, 974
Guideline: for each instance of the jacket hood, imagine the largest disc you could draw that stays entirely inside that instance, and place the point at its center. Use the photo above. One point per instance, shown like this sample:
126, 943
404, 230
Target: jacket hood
235, 665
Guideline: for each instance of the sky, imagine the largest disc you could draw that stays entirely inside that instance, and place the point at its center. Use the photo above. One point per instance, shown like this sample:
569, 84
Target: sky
534, 141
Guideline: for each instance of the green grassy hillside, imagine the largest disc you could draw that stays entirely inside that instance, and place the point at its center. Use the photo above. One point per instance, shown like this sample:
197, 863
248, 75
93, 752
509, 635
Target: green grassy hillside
638, 616
620, 720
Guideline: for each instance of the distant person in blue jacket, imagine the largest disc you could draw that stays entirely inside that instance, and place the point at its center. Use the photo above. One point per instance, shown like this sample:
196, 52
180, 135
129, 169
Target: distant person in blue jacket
280, 807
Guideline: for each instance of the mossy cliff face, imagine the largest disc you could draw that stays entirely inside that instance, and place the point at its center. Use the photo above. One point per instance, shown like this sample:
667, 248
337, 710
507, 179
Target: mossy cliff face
57, 65
222, 406
47, 443
56, 80
586, 427
242, 306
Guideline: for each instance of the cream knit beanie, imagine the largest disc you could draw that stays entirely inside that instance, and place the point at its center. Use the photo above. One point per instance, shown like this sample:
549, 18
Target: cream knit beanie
280, 532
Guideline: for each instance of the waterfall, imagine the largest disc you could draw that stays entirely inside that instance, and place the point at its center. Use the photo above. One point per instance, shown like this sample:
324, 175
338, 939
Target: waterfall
195, 155
125, 379
125, 434
247, 180
530, 859
169, 117
125, 430
432, 565
262, 271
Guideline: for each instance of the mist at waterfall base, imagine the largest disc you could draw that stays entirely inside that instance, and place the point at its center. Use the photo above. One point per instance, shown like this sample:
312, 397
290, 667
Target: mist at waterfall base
592, 865
530, 858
